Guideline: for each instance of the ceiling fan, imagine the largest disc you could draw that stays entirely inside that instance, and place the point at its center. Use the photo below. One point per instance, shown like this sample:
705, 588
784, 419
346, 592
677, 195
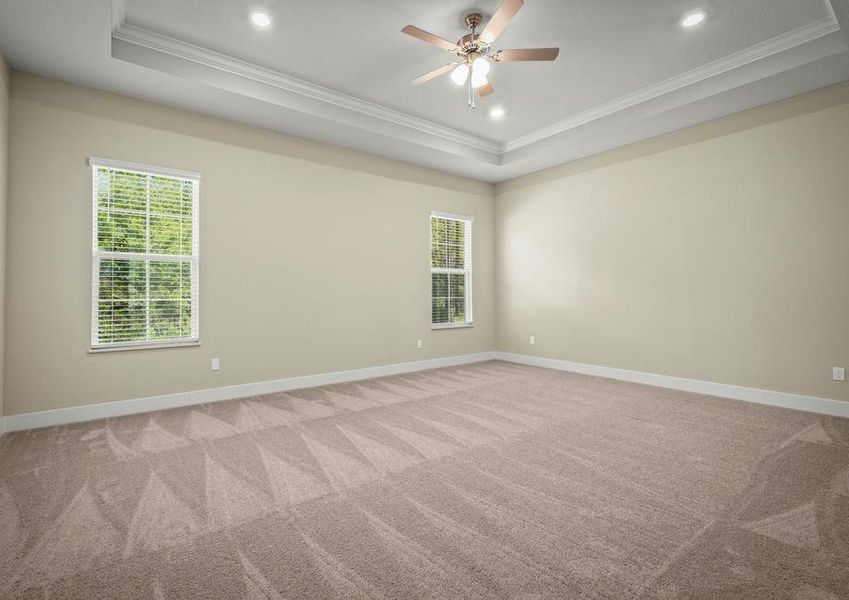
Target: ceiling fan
475, 51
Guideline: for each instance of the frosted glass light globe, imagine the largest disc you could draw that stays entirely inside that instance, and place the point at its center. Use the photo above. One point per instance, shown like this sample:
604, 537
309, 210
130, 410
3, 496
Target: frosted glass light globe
478, 79
481, 65
460, 73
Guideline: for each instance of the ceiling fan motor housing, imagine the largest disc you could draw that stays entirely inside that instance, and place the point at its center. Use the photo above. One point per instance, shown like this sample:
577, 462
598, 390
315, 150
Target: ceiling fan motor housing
470, 43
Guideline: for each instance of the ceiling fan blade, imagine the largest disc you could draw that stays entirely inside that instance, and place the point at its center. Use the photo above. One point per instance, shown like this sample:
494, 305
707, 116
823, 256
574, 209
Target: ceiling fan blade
433, 74
500, 19
527, 54
428, 37
485, 90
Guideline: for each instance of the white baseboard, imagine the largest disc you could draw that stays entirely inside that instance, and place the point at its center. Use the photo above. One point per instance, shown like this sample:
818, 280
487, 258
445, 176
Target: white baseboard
90, 412
76, 414
824, 406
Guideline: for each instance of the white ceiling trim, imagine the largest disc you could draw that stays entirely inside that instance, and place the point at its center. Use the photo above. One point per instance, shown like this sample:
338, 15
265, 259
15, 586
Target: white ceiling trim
137, 36
840, 10
782, 43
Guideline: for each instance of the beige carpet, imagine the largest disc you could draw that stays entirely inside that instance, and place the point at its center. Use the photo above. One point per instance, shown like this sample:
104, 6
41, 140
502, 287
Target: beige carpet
483, 481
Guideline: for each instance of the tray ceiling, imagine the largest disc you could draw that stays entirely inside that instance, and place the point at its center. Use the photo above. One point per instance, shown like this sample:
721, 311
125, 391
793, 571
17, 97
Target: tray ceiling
337, 71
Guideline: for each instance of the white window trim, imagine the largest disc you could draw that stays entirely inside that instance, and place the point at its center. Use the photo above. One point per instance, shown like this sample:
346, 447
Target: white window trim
96, 255
447, 215
125, 346
135, 167
467, 271
458, 325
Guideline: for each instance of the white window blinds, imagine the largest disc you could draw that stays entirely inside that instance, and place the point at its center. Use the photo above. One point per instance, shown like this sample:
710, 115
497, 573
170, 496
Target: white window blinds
144, 255
450, 270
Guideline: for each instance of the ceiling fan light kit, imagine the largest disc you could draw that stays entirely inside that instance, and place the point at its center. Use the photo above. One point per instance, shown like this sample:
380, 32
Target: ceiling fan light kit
475, 51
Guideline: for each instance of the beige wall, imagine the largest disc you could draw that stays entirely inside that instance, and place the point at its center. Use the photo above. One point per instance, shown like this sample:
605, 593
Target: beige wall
4, 139
313, 258
718, 253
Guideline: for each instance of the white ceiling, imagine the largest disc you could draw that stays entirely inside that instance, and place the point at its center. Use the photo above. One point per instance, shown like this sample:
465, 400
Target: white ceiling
336, 70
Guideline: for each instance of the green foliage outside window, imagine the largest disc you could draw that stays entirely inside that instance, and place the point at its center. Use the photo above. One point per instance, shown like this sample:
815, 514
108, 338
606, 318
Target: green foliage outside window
149, 297
448, 253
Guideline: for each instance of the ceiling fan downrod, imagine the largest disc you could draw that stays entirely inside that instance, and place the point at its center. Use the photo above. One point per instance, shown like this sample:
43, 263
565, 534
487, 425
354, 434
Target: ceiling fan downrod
472, 21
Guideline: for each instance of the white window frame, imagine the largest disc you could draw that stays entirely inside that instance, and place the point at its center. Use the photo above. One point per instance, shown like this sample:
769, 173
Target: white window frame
97, 255
467, 270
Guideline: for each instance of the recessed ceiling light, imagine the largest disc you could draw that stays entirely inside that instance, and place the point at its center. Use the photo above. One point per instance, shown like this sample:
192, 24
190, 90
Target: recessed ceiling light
261, 20
496, 112
692, 19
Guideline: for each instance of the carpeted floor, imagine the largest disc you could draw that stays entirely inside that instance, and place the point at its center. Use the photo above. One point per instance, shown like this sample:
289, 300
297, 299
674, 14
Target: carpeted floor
483, 481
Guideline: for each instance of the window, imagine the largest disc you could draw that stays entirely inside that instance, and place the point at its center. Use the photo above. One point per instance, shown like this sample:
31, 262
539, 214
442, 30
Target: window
144, 256
450, 270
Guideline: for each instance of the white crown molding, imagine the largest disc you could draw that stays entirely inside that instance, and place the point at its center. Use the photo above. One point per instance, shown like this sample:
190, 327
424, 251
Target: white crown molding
137, 36
839, 10
812, 404
782, 43
76, 414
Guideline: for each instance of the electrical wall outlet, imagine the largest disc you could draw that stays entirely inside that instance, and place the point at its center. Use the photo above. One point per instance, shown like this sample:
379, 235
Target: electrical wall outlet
532, 340
419, 344
838, 373
216, 364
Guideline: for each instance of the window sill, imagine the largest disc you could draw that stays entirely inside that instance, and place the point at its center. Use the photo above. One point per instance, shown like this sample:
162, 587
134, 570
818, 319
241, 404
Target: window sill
464, 325
145, 346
